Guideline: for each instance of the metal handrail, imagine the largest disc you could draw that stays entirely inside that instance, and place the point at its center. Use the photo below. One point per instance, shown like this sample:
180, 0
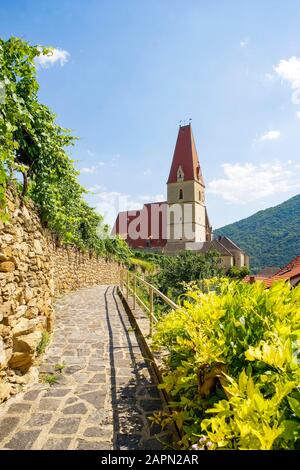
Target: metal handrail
125, 276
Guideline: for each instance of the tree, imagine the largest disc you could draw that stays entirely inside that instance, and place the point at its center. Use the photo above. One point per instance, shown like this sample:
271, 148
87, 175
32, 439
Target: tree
238, 273
176, 271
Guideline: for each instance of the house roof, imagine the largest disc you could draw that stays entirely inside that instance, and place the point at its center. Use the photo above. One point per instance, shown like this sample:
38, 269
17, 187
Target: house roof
289, 272
228, 243
213, 245
185, 155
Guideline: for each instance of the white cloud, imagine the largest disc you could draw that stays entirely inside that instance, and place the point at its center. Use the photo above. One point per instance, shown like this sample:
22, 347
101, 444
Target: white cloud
88, 169
91, 169
289, 70
125, 202
298, 114
269, 135
156, 198
245, 183
110, 203
244, 43
59, 56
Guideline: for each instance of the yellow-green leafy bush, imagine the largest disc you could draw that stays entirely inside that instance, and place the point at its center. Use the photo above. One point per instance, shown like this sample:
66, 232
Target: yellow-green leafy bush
146, 266
233, 366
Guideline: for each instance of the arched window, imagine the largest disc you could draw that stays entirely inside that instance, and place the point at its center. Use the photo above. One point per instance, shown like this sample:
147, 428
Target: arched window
180, 174
180, 194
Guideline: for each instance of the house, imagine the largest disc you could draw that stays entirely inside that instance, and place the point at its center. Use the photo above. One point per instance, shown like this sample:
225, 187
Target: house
290, 272
181, 222
230, 254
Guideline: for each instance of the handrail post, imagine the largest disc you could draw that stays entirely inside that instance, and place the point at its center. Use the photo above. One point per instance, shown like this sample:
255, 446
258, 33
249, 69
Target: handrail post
127, 290
121, 279
134, 291
151, 309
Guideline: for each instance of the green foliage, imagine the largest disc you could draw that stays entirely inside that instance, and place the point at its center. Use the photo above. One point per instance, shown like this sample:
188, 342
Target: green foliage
270, 237
238, 273
34, 145
59, 367
176, 271
233, 366
51, 379
151, 256
116, 248
43, 343
146, 266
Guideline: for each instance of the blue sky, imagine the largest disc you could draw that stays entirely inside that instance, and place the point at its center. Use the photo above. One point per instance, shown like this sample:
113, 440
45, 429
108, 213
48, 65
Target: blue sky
126, 72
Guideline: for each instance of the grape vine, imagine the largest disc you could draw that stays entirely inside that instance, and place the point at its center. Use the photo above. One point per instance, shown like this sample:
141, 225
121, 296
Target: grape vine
34, 146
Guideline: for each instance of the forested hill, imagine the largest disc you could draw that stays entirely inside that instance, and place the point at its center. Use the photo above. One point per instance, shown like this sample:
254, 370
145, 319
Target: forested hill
271, 237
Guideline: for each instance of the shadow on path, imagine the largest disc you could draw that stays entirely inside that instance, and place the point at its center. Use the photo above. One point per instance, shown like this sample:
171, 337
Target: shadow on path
133, 386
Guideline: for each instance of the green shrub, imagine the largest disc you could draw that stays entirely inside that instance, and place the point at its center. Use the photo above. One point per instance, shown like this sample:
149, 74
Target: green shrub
175, 271
146, 266
233, 368
43, 343
238, 273
59, 367
51, 379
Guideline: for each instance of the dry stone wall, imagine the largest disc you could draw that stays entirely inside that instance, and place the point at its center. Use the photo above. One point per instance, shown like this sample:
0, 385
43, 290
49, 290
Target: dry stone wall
33, 270
74, 269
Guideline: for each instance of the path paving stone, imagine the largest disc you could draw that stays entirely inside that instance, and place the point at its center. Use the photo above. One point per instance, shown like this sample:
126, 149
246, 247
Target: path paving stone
38, 420
18, 408
49, 404
22, 440
65, 426
104, 392
57, 444
7, 425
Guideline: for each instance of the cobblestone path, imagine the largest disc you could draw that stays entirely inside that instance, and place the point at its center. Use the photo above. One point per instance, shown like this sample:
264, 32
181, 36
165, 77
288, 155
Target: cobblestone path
105, 391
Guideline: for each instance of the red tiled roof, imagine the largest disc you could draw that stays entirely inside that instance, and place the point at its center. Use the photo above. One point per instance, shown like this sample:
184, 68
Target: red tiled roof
185, 155
289, 272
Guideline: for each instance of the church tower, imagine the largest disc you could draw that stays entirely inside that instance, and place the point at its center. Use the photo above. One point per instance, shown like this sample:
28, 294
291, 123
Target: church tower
187, 216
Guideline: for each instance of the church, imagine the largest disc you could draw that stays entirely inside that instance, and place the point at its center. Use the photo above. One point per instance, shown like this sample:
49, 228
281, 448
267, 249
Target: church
180, 223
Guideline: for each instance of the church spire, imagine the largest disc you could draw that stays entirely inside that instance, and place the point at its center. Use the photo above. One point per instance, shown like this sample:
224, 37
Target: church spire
185, 164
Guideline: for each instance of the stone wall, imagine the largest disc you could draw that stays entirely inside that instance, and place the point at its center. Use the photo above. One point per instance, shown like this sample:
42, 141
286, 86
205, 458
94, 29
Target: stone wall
74, 269
32, 272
